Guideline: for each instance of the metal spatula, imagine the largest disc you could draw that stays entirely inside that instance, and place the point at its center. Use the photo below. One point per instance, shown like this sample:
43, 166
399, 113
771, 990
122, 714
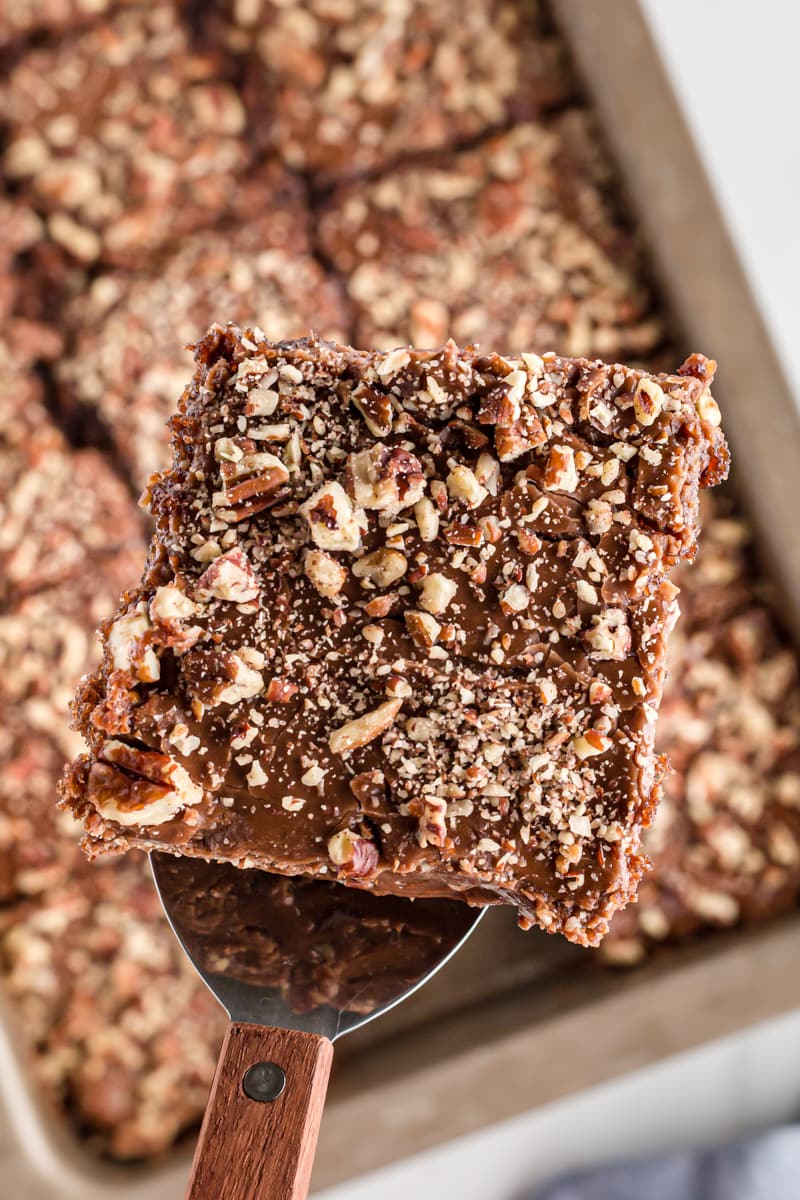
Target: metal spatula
296, 964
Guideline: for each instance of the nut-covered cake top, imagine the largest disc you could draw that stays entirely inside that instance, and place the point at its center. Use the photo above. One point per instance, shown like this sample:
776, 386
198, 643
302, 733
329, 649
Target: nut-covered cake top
125, 134
337, 89
514, 242
403, 622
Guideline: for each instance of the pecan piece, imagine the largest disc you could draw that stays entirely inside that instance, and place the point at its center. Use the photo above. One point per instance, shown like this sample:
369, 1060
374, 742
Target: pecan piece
436, 593
590, 743
382, 567
462, 484
431, 814
648, 401
513, 440
130, 646
427, 519
561, 473
423, 627
169, 608
251, 483
333, 522
230, 577
140, 787
498, 406
380, 606
223, 676
326, 574
364, 729
610, 637
385, 479
281, 691
375, 407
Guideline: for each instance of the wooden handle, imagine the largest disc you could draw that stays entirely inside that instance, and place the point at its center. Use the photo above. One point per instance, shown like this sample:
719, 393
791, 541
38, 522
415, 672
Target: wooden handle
262, 1149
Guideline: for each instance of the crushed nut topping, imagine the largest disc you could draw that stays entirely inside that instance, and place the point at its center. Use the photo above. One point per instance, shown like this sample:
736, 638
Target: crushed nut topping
422, 593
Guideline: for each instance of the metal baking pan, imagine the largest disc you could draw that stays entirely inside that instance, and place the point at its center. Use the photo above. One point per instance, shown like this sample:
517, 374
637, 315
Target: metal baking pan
518, 1019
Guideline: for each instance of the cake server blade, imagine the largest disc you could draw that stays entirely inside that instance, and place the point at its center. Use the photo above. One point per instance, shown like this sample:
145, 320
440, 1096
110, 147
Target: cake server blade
296, 963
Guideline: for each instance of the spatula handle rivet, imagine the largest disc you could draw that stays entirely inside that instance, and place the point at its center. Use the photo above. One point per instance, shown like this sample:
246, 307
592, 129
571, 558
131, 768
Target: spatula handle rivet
264, 1081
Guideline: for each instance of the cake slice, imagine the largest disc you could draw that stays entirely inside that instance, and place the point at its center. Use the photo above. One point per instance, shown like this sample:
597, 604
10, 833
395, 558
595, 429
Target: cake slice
403, 623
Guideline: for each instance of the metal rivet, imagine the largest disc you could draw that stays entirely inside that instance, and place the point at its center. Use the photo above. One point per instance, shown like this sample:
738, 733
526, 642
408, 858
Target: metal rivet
264, 1081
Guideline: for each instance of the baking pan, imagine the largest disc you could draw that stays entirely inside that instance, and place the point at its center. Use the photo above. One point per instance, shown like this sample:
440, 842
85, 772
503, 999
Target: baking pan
518, 1020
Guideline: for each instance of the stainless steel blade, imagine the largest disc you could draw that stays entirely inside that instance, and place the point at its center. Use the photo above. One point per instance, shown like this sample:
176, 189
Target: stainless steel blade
302, 954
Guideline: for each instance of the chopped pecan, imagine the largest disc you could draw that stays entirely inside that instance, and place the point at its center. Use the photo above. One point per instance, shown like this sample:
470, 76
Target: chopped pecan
326, 574
129, 640
398, 688
171, 604
358, 732
424, 628
529, 543
281, 691
462, 484
436, 593
113, 713
140, 787
380, 606
431, 814
251, 483
599, 692
516, 439
427, 519
230, 577
699, 367
487, 473
708, 409
333, 522
590, 743
375, 407
498, 406
491, 529
648, 401
222, 676
385, 479
515, 599
560, 473
382, 567
610, 637
169, 608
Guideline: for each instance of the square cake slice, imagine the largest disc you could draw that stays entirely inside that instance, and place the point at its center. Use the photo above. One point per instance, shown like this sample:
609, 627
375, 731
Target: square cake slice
403, 623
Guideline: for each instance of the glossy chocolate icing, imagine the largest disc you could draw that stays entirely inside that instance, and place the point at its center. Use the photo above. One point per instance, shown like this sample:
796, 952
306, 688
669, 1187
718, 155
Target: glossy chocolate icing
403, 623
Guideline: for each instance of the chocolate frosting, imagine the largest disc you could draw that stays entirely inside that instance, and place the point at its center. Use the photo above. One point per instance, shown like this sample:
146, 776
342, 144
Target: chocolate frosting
403, 623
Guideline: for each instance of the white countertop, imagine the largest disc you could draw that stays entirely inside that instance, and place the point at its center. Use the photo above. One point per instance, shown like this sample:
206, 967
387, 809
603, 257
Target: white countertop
726, 1088
734, 67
